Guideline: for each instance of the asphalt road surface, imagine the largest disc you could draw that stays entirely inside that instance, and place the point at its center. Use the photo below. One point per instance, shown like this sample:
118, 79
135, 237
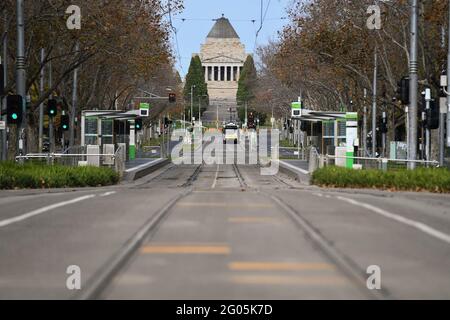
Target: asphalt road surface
223, 232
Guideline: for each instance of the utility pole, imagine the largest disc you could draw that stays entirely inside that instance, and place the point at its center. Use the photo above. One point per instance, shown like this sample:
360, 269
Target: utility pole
21, 72
413, 86
374, 105
364, 140
199, 109
192, 103
5, 69
41, 106
74, 102
246, 113
427, 132
383, 137
50, 119
448, 82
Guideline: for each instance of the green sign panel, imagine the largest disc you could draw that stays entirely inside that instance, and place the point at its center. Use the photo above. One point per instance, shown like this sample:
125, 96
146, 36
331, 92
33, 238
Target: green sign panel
144, 105
296, 105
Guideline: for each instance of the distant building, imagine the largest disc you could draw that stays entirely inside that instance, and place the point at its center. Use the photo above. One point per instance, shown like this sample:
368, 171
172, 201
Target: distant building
223, 56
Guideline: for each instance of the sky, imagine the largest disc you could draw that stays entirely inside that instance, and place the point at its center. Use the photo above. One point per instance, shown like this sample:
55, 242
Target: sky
199, 15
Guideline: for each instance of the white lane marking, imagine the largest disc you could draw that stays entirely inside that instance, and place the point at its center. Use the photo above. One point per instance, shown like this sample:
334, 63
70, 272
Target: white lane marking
318, 194
154, 162
415, 224
294, 167
215, 178
108, 194
33, 213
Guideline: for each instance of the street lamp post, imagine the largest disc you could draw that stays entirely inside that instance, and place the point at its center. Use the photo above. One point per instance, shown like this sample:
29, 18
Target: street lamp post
20, 70
413, 86
448, 83
192, 103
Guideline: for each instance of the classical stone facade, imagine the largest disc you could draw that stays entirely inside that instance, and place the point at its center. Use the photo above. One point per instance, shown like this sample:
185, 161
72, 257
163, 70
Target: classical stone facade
223, 56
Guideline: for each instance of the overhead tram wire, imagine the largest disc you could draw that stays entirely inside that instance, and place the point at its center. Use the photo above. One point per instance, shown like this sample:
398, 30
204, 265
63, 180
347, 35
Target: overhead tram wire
263, 18
177, 45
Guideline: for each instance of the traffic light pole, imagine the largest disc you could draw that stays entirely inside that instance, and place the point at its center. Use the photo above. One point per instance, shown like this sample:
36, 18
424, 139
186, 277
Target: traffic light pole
5, 75
364, 140
41, 106
374, 106
448, 83
74, 103
427, 132
20, 71
413, 87
383, 136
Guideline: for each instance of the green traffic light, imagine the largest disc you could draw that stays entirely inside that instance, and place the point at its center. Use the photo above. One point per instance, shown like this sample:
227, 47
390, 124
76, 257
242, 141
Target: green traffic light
14, 116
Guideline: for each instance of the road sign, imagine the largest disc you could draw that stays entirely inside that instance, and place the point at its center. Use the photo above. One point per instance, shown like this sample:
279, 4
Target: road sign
296, 109
296, 105
2, 125
144, 109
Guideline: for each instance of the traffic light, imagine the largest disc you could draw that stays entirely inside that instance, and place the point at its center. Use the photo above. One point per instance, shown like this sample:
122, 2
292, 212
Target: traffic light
432, 121
172, 97
65, 122
52, 108
403, 90
14, 109
138, 124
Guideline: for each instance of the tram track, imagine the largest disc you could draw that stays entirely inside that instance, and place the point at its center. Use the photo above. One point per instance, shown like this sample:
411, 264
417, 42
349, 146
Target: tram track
105, 275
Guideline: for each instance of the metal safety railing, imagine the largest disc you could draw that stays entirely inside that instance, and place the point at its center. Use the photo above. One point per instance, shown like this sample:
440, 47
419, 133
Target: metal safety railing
378, 163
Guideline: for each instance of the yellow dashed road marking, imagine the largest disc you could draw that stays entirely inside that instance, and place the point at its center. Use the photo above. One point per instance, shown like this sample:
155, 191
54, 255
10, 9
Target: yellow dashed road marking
223, 204
288, 281
278, 266
186, 249
253, 220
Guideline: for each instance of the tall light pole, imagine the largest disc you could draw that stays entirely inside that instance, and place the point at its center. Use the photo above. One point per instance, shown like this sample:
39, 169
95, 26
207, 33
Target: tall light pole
413, 86
74, 102
20, 69
41, 106
374, 105
192, 103
364, 140
5, 78
448, 82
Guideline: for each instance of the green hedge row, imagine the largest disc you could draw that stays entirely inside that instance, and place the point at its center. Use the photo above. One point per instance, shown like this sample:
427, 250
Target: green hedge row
421, 179
39, 176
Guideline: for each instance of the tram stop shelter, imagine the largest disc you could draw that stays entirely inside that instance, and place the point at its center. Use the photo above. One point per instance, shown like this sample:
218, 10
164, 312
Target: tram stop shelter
108, 129
338, 131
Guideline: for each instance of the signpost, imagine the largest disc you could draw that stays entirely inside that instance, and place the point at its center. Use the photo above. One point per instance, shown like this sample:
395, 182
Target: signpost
144, 109
351, 137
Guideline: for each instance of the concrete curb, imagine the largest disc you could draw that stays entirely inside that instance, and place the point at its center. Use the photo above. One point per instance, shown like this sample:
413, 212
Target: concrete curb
143, 170
299, 174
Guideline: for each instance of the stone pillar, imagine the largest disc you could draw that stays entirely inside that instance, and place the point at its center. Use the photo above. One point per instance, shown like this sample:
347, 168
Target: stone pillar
219, 74
206, 73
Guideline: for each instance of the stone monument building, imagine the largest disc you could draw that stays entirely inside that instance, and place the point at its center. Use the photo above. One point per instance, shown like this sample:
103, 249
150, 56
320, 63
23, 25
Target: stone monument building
222, 56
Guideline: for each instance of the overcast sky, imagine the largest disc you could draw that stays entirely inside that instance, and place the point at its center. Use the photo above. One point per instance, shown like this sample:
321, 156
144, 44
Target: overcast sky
199, 15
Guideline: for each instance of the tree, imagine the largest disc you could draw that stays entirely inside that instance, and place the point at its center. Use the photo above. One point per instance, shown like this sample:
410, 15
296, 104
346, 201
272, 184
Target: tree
123, 47
247, 82
195, 77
